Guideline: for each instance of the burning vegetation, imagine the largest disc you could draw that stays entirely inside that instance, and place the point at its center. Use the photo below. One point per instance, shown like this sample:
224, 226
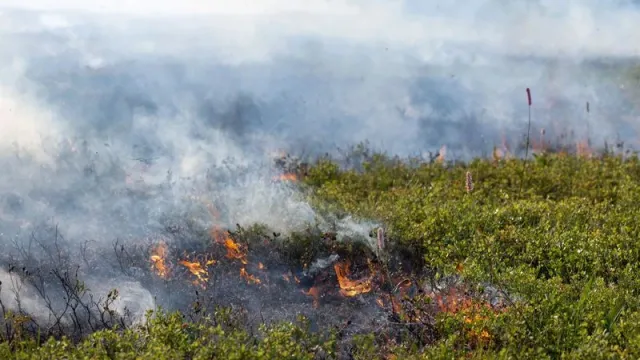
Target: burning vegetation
158, 260
438, 276
351, 287
342, 277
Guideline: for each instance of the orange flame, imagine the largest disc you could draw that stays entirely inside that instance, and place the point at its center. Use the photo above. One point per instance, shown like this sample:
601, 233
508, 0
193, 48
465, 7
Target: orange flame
200, 271
286, 177
583, 149
396, 306
158, 258
234, 251
442, 154
314, 291
216, 233
350, 287
457, 302
250, 278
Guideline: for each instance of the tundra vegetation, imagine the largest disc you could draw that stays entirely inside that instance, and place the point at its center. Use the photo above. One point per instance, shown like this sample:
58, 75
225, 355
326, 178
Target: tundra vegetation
481, 259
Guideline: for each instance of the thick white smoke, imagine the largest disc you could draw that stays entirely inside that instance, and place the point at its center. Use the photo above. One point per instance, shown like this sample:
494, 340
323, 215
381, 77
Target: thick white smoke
96, 92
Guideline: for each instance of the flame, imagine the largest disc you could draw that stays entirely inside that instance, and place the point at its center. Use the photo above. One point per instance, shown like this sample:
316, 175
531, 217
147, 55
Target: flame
314, 291
158, 258
260, 266
286, 277
216, 233
442, 154
396, 306
250, 278
234, 251
350, 287
380, 302
457, 302
286, 177
200, 271
583, 149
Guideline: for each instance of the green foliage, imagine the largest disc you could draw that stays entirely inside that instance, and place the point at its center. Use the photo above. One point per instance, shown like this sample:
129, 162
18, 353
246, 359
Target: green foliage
560, 243
565, 246
168, 336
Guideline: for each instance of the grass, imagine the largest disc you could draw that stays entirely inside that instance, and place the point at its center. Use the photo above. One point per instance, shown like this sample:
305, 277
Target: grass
564, 252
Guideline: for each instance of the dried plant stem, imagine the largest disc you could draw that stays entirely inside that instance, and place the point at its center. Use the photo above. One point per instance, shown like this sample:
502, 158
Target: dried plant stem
468, 182
526, 151
526, 154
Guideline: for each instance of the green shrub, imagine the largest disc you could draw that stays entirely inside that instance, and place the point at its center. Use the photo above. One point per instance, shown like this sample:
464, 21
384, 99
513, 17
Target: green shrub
560, 242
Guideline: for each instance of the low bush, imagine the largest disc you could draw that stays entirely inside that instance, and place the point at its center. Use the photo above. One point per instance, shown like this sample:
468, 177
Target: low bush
557, 240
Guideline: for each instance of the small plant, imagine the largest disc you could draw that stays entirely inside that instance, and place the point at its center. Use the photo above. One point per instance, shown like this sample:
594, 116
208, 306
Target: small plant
468, 182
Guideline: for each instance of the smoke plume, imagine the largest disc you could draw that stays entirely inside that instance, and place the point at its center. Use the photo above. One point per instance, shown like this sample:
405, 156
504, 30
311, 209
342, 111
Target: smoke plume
115, 114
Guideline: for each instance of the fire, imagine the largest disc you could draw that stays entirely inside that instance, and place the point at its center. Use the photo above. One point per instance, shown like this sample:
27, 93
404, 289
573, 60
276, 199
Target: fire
200, 271
286, 177
158, 258
315, 293
455, 302
250, 278
234, 251
442, 154
350, 287
583, 149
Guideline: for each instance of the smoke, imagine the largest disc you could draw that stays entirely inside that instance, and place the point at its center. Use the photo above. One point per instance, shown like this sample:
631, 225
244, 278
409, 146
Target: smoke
116, 112
17, 294
132, 298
